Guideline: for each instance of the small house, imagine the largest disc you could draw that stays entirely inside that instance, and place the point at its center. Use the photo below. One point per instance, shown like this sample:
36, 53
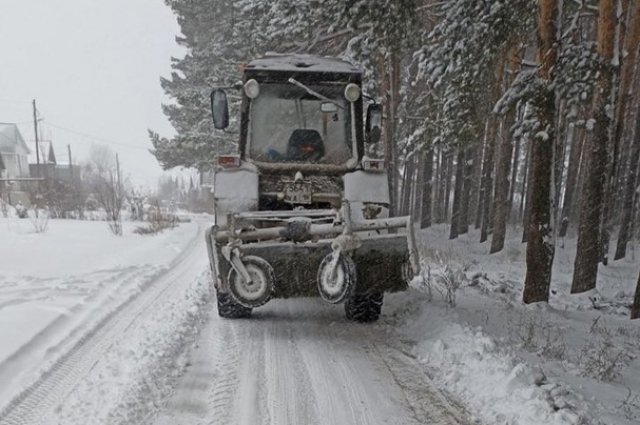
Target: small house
14, 164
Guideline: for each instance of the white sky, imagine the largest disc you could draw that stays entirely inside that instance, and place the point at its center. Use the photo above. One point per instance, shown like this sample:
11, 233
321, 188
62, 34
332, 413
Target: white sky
94, 67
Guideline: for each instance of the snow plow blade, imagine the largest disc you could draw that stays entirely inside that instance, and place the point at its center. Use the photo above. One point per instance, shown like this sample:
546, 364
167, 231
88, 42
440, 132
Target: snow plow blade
383, 250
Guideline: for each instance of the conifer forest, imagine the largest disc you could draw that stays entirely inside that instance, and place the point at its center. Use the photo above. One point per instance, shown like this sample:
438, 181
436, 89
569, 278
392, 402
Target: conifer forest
497, 113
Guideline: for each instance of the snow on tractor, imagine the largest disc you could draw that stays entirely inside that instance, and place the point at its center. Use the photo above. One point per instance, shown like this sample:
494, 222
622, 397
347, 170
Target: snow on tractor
301, 211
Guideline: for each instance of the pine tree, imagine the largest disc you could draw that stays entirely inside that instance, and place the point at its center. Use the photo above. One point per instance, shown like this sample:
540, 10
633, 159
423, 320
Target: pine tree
630, 62
630, 189
540, 238
218, 38
502, 200
588, 252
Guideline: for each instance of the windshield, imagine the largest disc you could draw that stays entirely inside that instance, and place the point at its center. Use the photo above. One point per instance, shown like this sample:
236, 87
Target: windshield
288, 124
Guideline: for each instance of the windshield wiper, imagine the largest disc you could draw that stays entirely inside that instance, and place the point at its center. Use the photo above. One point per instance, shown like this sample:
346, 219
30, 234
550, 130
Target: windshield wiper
314, 93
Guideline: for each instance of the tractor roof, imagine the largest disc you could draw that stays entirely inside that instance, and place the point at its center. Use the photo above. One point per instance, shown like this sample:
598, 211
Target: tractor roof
302, 63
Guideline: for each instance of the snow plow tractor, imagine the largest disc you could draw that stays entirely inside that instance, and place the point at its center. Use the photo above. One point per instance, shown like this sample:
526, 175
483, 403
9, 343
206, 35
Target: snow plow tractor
301, 211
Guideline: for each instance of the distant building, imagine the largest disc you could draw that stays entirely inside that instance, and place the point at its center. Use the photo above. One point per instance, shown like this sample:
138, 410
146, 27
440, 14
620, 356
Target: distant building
14, 164
45, 165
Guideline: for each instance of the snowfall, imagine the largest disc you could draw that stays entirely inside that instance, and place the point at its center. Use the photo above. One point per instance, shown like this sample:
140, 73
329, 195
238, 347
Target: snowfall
98, 329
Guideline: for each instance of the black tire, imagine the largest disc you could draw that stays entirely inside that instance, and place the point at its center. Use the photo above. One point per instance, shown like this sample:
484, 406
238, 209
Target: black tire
230, 309
260, 291
364, 308
336, 292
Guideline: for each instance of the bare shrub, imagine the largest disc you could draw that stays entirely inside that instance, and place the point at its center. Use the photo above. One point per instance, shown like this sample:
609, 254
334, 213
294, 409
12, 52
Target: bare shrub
534, 333
105, 183
40, 219
450, 280
600, 358
630, 405
423, 281
158, 220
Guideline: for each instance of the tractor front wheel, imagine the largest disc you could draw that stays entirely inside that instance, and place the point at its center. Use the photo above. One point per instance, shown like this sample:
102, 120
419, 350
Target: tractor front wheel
364, 308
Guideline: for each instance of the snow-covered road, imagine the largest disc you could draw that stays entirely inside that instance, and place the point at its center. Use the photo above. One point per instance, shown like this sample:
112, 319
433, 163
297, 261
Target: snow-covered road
156, 352
89, 381
300, 362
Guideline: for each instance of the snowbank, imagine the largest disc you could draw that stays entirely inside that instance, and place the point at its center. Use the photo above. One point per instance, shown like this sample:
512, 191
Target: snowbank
572, 361
56, 287
127, 384
496, 387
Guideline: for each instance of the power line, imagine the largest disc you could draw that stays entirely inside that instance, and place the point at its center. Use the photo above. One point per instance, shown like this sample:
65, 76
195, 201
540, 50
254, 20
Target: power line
18, 102
95, 138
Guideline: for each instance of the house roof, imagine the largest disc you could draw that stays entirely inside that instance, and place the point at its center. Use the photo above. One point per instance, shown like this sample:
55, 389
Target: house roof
302, 63
11, 139
45, 151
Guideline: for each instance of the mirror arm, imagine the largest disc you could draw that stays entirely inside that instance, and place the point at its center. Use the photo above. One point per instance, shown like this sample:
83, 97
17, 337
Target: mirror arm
373, 99
235, 86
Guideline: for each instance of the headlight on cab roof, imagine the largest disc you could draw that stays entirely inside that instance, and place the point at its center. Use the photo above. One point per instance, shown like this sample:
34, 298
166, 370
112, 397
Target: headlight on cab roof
252, 89
352, 92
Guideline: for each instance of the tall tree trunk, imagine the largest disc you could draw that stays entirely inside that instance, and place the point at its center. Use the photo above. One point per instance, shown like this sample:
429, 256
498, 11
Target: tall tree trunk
469, 158
562, 136
390, 91
575, 154
438, 200
620, 86
447, 187
624, 235
501, 203
407, 185
475, 203
488, 165
525, 195
457, 195
579, 188
588, 253
418, 189
520, 144
630, 64
635, 308
487, 178
515, 166
540, 245
501, 192
477, 208
427, 175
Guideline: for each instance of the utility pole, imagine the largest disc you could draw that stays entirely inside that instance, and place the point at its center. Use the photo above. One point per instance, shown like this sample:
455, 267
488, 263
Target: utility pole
117, 191
118, 169
35, 130
70, 163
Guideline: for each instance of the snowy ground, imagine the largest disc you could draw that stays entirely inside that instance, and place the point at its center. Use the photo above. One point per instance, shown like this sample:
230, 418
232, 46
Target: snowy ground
61, 288
105, 330
574, 360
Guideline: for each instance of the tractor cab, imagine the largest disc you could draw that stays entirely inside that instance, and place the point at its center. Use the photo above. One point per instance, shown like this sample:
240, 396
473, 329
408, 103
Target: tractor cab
301, 113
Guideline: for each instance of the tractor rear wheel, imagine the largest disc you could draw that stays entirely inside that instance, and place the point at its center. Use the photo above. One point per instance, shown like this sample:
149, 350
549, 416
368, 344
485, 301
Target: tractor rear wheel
364, 308
228, 308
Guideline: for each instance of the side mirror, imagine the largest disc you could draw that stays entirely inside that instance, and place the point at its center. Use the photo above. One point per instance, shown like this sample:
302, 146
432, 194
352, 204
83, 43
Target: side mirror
220, 109
373, 125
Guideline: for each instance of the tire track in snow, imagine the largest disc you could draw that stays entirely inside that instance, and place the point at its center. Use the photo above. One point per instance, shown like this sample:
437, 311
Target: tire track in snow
420, 392
35, 402
298, 361
289, 393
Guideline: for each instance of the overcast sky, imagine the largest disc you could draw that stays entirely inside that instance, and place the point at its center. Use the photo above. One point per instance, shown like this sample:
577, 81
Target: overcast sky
94, 68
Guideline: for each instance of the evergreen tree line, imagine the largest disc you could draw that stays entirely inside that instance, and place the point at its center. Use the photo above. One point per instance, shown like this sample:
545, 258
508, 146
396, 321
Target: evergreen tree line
497, 111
